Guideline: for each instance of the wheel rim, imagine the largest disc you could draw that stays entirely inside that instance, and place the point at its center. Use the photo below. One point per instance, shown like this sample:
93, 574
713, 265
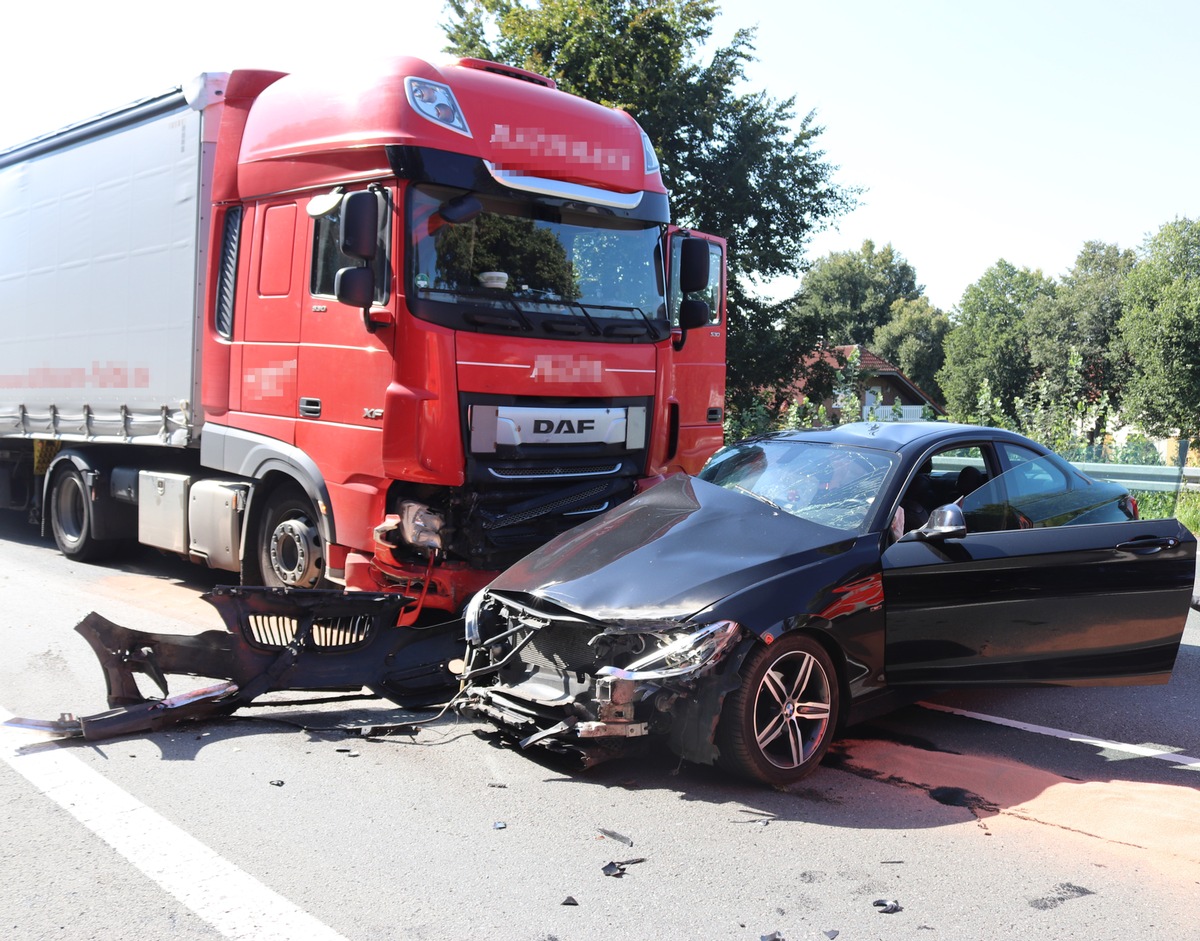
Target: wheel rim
792, 710
69, 510
295, 558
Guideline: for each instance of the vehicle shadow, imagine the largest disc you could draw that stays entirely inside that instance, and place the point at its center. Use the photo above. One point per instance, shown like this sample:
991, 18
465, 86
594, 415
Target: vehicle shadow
128, 559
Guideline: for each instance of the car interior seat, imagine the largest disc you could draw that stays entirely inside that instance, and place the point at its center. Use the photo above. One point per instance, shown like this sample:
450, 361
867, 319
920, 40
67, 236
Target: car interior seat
969, 480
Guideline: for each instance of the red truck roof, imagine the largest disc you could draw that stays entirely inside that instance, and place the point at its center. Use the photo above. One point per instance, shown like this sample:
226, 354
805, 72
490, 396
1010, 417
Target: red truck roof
308, 130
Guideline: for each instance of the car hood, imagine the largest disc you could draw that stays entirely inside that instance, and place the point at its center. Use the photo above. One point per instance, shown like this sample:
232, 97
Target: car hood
669, 553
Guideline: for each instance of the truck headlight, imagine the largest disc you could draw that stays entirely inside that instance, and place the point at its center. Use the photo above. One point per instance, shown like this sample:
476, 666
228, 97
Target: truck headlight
420, 526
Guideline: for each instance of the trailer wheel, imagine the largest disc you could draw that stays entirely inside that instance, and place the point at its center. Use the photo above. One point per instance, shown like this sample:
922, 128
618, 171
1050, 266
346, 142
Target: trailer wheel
291, 550
71, 517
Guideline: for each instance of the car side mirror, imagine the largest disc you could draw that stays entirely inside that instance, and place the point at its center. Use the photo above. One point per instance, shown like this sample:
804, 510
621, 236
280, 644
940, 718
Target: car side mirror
946, 522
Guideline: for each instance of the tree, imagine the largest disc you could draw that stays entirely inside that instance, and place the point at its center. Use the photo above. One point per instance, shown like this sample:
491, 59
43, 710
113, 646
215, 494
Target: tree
1159, 330
914, 339
853, 292
1073, 334
989, 341
738, 164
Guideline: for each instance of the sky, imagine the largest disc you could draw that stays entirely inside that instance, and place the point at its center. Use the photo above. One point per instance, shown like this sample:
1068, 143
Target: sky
977, 131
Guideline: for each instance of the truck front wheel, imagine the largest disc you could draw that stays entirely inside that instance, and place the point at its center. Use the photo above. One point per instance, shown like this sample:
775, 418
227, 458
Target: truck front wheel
71, 516
291, 550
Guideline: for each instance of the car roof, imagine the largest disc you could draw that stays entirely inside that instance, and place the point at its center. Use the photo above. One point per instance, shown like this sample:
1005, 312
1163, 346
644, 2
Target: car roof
898, 435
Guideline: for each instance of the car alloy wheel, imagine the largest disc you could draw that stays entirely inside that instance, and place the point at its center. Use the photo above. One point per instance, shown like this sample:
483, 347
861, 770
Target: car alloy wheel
777, 726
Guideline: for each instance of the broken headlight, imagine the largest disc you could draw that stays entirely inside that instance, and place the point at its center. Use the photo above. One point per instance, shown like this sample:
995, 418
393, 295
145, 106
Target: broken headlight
680, 654
420, 526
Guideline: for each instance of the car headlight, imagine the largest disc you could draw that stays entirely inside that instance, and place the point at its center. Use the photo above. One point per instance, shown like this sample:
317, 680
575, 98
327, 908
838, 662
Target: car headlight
681, 655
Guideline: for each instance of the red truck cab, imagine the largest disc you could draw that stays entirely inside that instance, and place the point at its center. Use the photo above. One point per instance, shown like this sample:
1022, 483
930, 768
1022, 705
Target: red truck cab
444, 321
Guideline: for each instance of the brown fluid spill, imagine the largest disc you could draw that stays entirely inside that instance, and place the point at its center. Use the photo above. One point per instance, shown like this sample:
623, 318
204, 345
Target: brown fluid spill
168, 598
1155, 820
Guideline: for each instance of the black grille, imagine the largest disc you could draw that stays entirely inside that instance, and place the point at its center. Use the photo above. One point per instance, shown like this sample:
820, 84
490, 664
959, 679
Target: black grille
274, 630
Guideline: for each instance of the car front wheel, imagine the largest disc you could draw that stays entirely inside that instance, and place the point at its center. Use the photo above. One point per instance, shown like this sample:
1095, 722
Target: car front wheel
777, 726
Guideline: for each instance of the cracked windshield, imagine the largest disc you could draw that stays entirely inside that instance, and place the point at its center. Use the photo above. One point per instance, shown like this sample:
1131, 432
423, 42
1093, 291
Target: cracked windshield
833, 486
534, 259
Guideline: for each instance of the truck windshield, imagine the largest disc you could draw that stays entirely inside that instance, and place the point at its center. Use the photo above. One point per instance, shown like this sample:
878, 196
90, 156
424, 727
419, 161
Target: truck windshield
480, 262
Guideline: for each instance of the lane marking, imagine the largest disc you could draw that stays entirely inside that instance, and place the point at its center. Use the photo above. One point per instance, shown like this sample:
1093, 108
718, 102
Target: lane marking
224, 895
1142, 751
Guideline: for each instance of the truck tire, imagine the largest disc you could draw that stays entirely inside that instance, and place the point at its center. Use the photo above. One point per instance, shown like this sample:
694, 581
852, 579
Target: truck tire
291, 552
71, 517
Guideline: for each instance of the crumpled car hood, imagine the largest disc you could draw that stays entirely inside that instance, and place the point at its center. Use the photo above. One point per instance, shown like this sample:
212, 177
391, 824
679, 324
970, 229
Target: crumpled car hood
669, 553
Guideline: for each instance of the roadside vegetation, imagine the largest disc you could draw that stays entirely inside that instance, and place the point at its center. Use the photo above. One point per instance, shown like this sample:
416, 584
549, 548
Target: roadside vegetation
1092, 363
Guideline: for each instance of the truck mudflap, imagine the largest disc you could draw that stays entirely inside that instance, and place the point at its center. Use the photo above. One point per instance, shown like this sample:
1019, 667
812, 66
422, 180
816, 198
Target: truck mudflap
274, 639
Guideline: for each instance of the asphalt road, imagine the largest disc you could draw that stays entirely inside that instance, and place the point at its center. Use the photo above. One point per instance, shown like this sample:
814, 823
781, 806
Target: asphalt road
1080, 818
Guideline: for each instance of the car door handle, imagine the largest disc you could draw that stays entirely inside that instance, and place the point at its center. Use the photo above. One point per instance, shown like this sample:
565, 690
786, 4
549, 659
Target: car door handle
1148, 545
310, 408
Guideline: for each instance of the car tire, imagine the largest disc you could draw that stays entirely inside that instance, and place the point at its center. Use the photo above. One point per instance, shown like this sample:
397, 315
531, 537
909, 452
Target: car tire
777, 726
291, 552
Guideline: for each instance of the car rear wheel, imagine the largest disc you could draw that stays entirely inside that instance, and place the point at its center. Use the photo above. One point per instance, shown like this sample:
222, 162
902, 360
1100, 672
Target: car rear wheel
777, 726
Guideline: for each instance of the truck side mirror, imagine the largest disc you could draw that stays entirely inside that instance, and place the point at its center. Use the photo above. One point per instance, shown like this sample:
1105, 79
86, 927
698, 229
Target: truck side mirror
360, 225
693, 315
355, 287
693, 265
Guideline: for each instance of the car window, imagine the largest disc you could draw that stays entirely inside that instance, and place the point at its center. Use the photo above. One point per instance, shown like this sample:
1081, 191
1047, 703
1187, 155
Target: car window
1043, 491
828, 484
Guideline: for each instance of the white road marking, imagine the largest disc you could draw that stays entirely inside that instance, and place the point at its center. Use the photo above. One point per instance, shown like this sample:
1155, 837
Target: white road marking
228, 898
1142, 751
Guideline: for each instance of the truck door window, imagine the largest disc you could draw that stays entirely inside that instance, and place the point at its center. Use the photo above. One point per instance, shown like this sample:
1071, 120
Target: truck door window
328, 258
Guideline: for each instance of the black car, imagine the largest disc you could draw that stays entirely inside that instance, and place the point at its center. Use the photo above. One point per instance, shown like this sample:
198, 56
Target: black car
806, 580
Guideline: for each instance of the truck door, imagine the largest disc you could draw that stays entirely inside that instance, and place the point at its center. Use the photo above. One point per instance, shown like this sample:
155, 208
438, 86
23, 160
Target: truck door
344, 370
266, 382
698, 367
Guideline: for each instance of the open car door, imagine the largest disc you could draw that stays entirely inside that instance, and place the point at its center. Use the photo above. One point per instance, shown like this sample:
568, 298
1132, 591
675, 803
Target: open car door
1051, 584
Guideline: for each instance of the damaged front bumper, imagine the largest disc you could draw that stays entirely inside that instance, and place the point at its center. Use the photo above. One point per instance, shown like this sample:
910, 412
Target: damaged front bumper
575, 685
274, 639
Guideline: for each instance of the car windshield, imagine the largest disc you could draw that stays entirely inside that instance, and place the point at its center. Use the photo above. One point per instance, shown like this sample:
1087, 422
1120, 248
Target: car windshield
527, 261
829, 484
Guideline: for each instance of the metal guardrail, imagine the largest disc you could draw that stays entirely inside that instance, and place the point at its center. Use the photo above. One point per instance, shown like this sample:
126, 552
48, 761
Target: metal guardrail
1144, 476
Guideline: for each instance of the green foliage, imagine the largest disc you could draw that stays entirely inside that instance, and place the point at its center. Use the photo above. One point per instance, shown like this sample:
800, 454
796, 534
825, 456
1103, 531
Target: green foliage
737, 163
852, 293
1160, 330
989, 341
1072, 332
913, 339
1187, 510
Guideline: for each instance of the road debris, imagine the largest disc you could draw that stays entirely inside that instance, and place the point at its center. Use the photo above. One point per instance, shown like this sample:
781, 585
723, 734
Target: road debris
276, 783
499, 825
888, 906
569, 900
831, 933
614, 835
773, 936
617, 869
